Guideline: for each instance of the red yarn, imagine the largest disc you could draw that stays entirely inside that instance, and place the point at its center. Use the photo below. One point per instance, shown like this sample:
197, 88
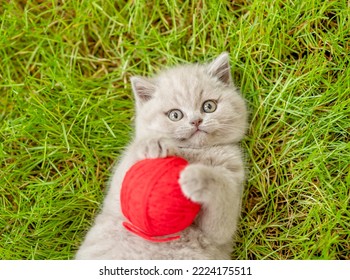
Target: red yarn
152, 200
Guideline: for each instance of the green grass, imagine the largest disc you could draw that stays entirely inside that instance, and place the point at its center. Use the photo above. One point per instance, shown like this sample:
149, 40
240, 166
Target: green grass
66, 113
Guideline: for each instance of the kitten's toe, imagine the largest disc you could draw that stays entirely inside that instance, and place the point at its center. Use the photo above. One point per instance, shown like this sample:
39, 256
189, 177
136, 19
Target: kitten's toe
156, 148
166, 148
195, 184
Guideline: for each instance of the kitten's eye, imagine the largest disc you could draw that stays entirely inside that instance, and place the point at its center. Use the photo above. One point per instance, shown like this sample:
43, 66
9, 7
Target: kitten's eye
175, 115
209, 106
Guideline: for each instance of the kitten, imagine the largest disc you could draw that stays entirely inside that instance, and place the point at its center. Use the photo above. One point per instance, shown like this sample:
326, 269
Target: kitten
192, 111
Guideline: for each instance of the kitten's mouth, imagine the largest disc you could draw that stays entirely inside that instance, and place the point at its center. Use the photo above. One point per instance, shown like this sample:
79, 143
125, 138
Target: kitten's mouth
197, 131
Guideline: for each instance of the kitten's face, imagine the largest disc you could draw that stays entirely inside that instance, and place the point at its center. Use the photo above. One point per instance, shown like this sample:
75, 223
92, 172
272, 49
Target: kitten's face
195, 105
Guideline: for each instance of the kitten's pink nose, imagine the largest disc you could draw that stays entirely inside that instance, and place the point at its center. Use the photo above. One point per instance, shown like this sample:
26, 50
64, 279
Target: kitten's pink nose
197, 122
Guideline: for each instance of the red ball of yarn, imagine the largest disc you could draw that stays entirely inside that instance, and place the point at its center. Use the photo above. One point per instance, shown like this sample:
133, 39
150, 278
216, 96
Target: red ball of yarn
152, 200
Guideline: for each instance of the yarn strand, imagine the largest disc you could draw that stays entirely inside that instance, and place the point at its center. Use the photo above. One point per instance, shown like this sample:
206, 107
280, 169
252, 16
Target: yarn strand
130, 227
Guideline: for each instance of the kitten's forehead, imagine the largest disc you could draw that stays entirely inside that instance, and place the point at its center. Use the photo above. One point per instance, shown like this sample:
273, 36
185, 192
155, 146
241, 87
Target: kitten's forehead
181, 78
184, 85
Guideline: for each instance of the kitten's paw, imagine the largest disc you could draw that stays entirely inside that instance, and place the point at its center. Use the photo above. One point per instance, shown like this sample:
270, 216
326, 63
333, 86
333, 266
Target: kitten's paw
156, 148
196, 184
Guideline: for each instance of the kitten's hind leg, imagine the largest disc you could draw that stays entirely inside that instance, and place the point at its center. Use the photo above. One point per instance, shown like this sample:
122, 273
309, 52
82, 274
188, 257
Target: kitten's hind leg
219, 191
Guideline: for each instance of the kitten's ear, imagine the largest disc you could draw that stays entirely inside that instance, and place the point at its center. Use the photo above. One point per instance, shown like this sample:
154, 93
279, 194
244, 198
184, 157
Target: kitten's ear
220, 68
143, 89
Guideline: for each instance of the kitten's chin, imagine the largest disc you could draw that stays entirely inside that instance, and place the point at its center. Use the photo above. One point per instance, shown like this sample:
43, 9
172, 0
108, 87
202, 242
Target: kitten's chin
202, 140
198, 139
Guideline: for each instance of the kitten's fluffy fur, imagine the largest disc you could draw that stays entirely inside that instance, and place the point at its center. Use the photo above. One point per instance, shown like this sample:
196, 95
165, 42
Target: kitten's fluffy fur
214, 177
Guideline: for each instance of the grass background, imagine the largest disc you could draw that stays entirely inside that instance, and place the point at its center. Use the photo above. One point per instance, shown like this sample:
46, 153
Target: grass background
66, 113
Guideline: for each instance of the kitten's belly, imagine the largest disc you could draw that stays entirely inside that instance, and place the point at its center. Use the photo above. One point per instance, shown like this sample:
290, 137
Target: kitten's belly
109, 241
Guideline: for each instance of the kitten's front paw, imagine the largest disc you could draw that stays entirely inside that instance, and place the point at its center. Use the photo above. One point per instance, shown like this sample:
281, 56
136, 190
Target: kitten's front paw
196, 183
156, 148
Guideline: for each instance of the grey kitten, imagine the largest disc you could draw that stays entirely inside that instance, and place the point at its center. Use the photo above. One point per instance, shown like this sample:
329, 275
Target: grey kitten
195, 112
